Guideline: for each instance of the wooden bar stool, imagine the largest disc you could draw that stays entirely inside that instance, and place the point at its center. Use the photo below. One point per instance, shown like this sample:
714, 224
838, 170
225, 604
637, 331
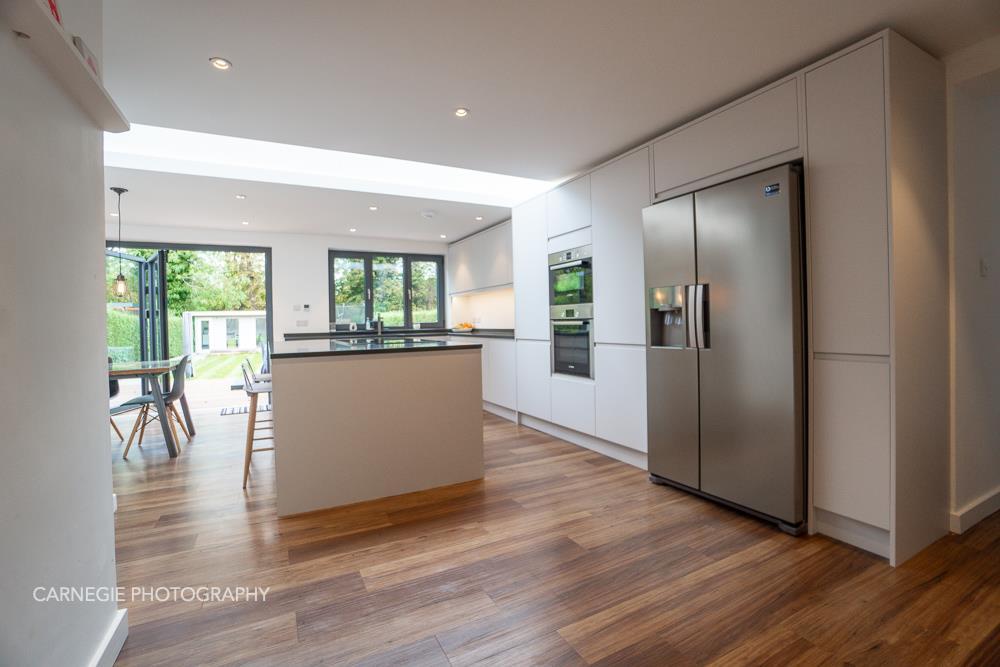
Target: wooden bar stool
254, 390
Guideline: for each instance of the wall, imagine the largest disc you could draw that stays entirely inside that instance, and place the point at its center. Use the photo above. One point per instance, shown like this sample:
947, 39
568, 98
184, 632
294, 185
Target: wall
974, 129
300, 263
489, 309
56, 515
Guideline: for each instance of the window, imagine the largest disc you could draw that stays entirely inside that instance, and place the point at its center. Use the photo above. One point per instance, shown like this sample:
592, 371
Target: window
232, 333
261, 330
204, 334
406, 290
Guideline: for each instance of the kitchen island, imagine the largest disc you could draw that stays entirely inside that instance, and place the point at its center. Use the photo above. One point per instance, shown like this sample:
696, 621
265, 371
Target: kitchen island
363, 418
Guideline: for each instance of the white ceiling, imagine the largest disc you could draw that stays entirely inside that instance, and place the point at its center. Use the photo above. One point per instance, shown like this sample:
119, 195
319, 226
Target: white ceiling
180, 200
554, 86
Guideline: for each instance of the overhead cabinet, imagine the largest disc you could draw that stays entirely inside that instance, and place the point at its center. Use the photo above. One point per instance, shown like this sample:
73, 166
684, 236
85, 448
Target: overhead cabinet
568, 207
481, 261
762, 125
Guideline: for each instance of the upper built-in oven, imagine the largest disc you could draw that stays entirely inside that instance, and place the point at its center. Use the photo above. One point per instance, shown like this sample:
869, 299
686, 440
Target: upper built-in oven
571, 283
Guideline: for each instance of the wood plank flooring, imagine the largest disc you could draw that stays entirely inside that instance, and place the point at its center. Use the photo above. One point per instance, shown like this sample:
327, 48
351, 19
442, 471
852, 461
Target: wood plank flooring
560, 556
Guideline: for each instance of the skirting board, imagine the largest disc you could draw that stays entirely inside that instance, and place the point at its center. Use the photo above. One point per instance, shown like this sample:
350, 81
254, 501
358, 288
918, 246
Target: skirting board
500, 411
855, 533
113, 641
976, 511
623, 454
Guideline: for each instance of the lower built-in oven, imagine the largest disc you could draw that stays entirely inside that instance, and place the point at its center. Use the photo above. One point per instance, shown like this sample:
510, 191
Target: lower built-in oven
572, 347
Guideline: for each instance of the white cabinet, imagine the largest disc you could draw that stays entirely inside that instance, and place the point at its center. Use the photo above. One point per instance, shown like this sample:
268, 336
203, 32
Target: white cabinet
481, 261
573, 403
533, 379
851, 439
619, 192
750, 130
568, 207
500, 373
848, 216
620, 379
531, 270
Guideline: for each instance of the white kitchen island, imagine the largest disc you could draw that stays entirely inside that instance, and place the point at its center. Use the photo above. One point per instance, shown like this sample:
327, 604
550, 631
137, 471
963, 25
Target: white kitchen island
359, 419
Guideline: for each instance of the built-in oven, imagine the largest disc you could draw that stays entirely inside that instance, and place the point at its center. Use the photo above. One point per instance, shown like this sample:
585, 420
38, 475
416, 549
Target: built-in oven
572, 347
571, 284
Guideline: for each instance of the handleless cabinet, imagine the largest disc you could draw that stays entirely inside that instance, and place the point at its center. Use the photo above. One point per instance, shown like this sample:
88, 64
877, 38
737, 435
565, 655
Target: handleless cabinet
531, 270
533, 379
568, 207
620, 400
619, 192
481, 261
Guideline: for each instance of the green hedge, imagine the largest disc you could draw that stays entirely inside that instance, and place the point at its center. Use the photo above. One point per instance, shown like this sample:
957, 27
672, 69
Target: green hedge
123, 335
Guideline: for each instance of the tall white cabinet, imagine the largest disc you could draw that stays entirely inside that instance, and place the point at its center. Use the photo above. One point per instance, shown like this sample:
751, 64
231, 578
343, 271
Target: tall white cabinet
531, 270
878, 267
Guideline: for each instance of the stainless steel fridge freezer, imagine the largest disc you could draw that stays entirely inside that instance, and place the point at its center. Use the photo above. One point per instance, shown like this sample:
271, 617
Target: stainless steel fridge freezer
725, 370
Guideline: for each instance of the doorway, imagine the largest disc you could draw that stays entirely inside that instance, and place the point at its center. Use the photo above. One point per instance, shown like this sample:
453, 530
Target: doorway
212, 302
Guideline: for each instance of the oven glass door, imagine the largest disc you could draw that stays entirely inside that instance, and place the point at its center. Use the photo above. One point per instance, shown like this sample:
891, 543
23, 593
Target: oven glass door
571, 283
571, 347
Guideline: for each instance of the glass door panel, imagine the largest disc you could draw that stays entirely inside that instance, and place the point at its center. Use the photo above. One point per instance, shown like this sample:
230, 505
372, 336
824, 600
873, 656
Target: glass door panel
387, 290
424, 292
349, 290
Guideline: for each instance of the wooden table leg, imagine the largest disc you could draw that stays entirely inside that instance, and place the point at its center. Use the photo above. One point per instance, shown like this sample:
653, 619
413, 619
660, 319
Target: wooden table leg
187, 415
161, 411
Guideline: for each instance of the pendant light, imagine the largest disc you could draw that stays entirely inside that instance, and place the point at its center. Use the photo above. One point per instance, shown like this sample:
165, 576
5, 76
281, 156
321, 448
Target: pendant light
121, 287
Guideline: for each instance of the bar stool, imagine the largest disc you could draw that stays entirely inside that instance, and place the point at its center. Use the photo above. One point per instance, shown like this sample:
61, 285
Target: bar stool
254, 390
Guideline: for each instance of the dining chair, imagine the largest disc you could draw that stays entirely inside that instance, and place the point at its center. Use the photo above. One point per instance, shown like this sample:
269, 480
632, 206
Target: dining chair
147, 404
114, 388
254, 390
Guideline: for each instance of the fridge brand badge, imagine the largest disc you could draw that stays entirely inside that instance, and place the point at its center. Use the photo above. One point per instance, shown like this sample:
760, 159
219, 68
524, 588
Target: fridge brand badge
772, 189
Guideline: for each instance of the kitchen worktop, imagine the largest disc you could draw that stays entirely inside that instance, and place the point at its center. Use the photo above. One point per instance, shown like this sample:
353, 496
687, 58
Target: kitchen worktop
343, 345
397, 333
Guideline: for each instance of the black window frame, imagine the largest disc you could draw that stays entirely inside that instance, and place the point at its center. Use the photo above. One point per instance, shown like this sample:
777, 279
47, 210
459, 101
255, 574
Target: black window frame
408, 259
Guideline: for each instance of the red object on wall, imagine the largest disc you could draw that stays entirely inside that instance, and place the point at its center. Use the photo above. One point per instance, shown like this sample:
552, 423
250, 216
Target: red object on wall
54, 8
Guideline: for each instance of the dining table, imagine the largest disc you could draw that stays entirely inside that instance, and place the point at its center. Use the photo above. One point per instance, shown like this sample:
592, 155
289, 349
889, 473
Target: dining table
153, 370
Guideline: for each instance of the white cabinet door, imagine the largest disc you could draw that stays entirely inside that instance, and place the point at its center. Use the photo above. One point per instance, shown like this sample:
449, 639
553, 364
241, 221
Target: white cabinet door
620, 379
573, 403
533, 377
502, 383
531, 270
851, 439
846, 196
487, 368
763, 125
619, 192
569, 207
481, 261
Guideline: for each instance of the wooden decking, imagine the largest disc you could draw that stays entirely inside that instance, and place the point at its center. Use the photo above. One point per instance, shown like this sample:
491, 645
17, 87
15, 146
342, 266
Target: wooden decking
561, 556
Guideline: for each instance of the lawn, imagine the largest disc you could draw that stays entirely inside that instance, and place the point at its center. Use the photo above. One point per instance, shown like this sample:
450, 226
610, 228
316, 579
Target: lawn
223, 365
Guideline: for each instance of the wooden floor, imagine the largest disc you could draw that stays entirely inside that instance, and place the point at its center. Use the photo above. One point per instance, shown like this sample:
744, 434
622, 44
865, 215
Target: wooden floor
561, 556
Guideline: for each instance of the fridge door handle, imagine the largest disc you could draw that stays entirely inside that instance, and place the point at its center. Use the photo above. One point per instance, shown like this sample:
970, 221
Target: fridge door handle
690, 331
700, 306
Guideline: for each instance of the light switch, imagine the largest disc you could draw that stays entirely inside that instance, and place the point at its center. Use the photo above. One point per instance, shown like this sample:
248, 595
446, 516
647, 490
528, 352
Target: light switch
305, 307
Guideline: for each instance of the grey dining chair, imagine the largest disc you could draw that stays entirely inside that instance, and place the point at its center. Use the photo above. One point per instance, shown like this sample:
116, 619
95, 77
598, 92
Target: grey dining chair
147, 404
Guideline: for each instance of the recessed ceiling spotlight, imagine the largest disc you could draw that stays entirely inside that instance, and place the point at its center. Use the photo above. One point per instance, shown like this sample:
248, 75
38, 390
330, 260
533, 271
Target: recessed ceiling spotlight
220, 63
114, 215
373, 208
461, 112
352, 229
241, 196
479, 218
444, 236
245, 222
427, 214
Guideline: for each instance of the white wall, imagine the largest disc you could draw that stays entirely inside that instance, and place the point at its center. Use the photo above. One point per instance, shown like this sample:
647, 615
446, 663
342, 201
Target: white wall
300, 263
56, 518
974, 128
489, 309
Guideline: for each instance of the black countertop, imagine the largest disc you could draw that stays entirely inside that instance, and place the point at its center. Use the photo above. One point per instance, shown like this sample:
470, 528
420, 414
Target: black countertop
397, 333
326, 347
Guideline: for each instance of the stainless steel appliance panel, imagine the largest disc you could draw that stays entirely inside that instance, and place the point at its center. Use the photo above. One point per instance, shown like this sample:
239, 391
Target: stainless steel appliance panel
747, 236
671, 371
